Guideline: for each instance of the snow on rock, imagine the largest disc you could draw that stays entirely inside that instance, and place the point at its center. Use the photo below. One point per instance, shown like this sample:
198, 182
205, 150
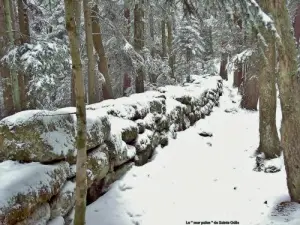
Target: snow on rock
25, 186
97, 124
137, 106
145, 145
62, 203
39, 217
36, 135
97, 164
127, 128
45, 136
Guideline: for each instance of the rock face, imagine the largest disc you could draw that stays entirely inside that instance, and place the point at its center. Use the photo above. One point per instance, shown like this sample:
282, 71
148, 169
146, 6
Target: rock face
22, 192
45, 136
121, 133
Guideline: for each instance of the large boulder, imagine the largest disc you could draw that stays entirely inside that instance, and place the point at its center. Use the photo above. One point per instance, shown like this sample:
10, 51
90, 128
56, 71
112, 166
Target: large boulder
25, 186
46, 136
62, 203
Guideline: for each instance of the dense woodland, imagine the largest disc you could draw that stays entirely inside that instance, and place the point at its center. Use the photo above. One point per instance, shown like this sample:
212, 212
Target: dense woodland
71, 53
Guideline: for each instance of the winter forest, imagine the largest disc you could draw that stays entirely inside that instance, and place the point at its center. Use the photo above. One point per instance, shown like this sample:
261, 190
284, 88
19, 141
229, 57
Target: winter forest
139, 112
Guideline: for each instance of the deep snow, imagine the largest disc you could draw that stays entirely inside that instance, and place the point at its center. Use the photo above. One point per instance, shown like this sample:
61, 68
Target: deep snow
201, 179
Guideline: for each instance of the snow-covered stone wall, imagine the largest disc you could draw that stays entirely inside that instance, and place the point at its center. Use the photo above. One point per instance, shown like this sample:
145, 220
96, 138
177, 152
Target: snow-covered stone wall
38, 153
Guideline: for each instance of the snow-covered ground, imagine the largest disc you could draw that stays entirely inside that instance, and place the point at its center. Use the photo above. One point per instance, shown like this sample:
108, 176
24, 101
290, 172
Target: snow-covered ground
201, 179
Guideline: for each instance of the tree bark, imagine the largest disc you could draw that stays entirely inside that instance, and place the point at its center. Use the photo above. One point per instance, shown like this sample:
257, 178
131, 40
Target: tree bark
102, 63
139, 43
163, 39
90, 51
24, 38
81, 174
238, 75
4, 71
223, 69
249, 85
77, 20
269, 142
289, 92
127, 18
289, 97
170, 47
14, 75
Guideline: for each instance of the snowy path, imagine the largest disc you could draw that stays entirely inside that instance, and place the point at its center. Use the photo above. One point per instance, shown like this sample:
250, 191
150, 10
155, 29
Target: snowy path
192, 180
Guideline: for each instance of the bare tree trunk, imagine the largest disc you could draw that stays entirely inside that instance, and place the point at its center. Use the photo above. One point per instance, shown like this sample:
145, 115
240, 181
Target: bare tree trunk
102, 63
14, 75
139, 42
223, 69
296, 25
238, 75
90, 51
77, 18
81, 177
249, 85
127, 18
163, 39
289, 92
170, 46
4, 71
151, 27
24, 38
269, 142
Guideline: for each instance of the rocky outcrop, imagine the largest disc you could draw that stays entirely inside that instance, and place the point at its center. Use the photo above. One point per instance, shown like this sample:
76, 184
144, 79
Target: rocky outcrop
40, 187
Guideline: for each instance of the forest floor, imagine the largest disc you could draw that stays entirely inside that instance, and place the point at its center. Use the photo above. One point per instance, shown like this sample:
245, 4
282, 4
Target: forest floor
209, 180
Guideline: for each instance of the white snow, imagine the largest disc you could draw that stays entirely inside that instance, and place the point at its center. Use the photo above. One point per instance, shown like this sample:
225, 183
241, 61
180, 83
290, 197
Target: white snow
201, 179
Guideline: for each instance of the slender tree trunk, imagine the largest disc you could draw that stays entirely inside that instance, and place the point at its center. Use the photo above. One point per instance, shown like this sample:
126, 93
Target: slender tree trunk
90, 51
296, 25
289, 92
14, 75
249, 85
151, 27
238, 75
4, 71
139, 42
163, 39
77, 19
223, 69
170, 47
81, 177
188, 61
127, 18
24, 38
269, 142
102, 63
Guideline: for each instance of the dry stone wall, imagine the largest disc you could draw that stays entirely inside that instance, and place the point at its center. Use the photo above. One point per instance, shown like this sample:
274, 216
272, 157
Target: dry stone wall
38, 153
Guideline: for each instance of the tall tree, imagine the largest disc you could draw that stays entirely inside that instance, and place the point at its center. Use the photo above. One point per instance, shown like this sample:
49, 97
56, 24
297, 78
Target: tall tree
289, 92
14, 75
24, 38
4, 71
269, 141
127, 19
170, 46
139, 42
99, 47
90, 51
163, 39
81, 177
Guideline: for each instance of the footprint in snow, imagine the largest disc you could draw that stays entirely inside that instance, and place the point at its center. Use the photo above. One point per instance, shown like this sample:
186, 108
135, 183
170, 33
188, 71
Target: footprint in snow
124, 187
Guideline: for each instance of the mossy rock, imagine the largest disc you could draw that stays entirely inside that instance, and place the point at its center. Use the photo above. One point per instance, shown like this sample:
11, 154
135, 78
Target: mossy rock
29, 185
